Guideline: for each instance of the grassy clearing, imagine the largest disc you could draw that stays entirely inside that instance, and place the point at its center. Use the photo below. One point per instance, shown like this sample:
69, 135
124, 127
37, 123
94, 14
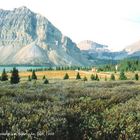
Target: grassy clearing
72, 74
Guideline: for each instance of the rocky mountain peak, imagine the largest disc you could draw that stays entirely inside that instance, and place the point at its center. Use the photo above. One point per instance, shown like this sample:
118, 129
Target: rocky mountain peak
22, 8
29, 38
93, 46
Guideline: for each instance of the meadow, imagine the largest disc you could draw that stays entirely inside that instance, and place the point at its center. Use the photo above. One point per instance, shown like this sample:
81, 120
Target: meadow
59, 74
70, 109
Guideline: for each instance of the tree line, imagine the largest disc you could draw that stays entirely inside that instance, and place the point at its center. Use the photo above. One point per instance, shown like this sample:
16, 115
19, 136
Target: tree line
125, 65
15, 78
62, 68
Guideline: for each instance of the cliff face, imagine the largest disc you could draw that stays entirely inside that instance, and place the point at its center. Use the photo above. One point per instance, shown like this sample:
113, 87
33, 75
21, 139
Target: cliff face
29, 38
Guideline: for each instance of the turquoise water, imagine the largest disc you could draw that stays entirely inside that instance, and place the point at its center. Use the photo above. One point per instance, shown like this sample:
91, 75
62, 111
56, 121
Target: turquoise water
21, 68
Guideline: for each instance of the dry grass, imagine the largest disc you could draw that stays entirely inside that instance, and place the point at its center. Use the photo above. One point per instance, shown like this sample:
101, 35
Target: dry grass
53, 74
72, 74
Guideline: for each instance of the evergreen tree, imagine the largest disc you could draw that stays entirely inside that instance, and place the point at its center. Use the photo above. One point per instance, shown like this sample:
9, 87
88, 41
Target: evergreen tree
92, 77
46, 81
112, 77
14, 76
85, 78
34, 77
4, 76
136, 76
105, 78
78, 76
29, 78
66, 76
44, 77
96, 77
122, 76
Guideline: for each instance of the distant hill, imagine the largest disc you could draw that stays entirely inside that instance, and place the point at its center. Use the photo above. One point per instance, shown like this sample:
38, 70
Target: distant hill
100, 54
133, 48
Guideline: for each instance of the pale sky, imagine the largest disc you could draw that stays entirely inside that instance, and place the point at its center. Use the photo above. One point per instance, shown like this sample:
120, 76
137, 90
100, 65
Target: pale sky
115, 23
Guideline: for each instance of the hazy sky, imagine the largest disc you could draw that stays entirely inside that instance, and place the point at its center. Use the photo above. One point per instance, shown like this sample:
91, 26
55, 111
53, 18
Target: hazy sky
112, 22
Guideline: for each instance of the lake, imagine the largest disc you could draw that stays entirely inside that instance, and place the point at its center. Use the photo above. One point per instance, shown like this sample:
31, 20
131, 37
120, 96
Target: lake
21, 68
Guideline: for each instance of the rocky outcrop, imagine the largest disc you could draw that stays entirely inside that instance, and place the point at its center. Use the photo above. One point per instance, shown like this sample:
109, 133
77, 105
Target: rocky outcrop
29, 38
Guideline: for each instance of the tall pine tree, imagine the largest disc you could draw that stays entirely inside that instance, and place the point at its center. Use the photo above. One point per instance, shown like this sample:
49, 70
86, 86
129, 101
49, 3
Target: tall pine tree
4, 76
96, 77
122, 76
14, 76
78, 76
34, 77
66, 76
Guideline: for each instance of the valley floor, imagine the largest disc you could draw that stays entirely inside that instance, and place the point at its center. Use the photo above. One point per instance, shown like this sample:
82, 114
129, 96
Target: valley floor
59, 74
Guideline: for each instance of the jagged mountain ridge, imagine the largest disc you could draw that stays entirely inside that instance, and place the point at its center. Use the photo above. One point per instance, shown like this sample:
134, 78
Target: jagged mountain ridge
92, 46
29, 38
98, 52
93, 50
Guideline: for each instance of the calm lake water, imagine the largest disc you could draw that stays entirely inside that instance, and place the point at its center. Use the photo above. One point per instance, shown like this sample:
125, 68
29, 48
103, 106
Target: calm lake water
20, 68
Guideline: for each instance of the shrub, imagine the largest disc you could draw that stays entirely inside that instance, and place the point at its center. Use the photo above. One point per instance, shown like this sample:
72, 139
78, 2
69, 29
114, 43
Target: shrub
112, 77
85, 78
92, 77
29, 78
136, 76
46, 81
44, 77
105, 78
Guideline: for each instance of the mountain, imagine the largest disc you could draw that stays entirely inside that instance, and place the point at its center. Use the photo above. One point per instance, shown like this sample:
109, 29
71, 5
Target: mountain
29, 38
135, 47
92, 46
94, 51
131, 51
99, 54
